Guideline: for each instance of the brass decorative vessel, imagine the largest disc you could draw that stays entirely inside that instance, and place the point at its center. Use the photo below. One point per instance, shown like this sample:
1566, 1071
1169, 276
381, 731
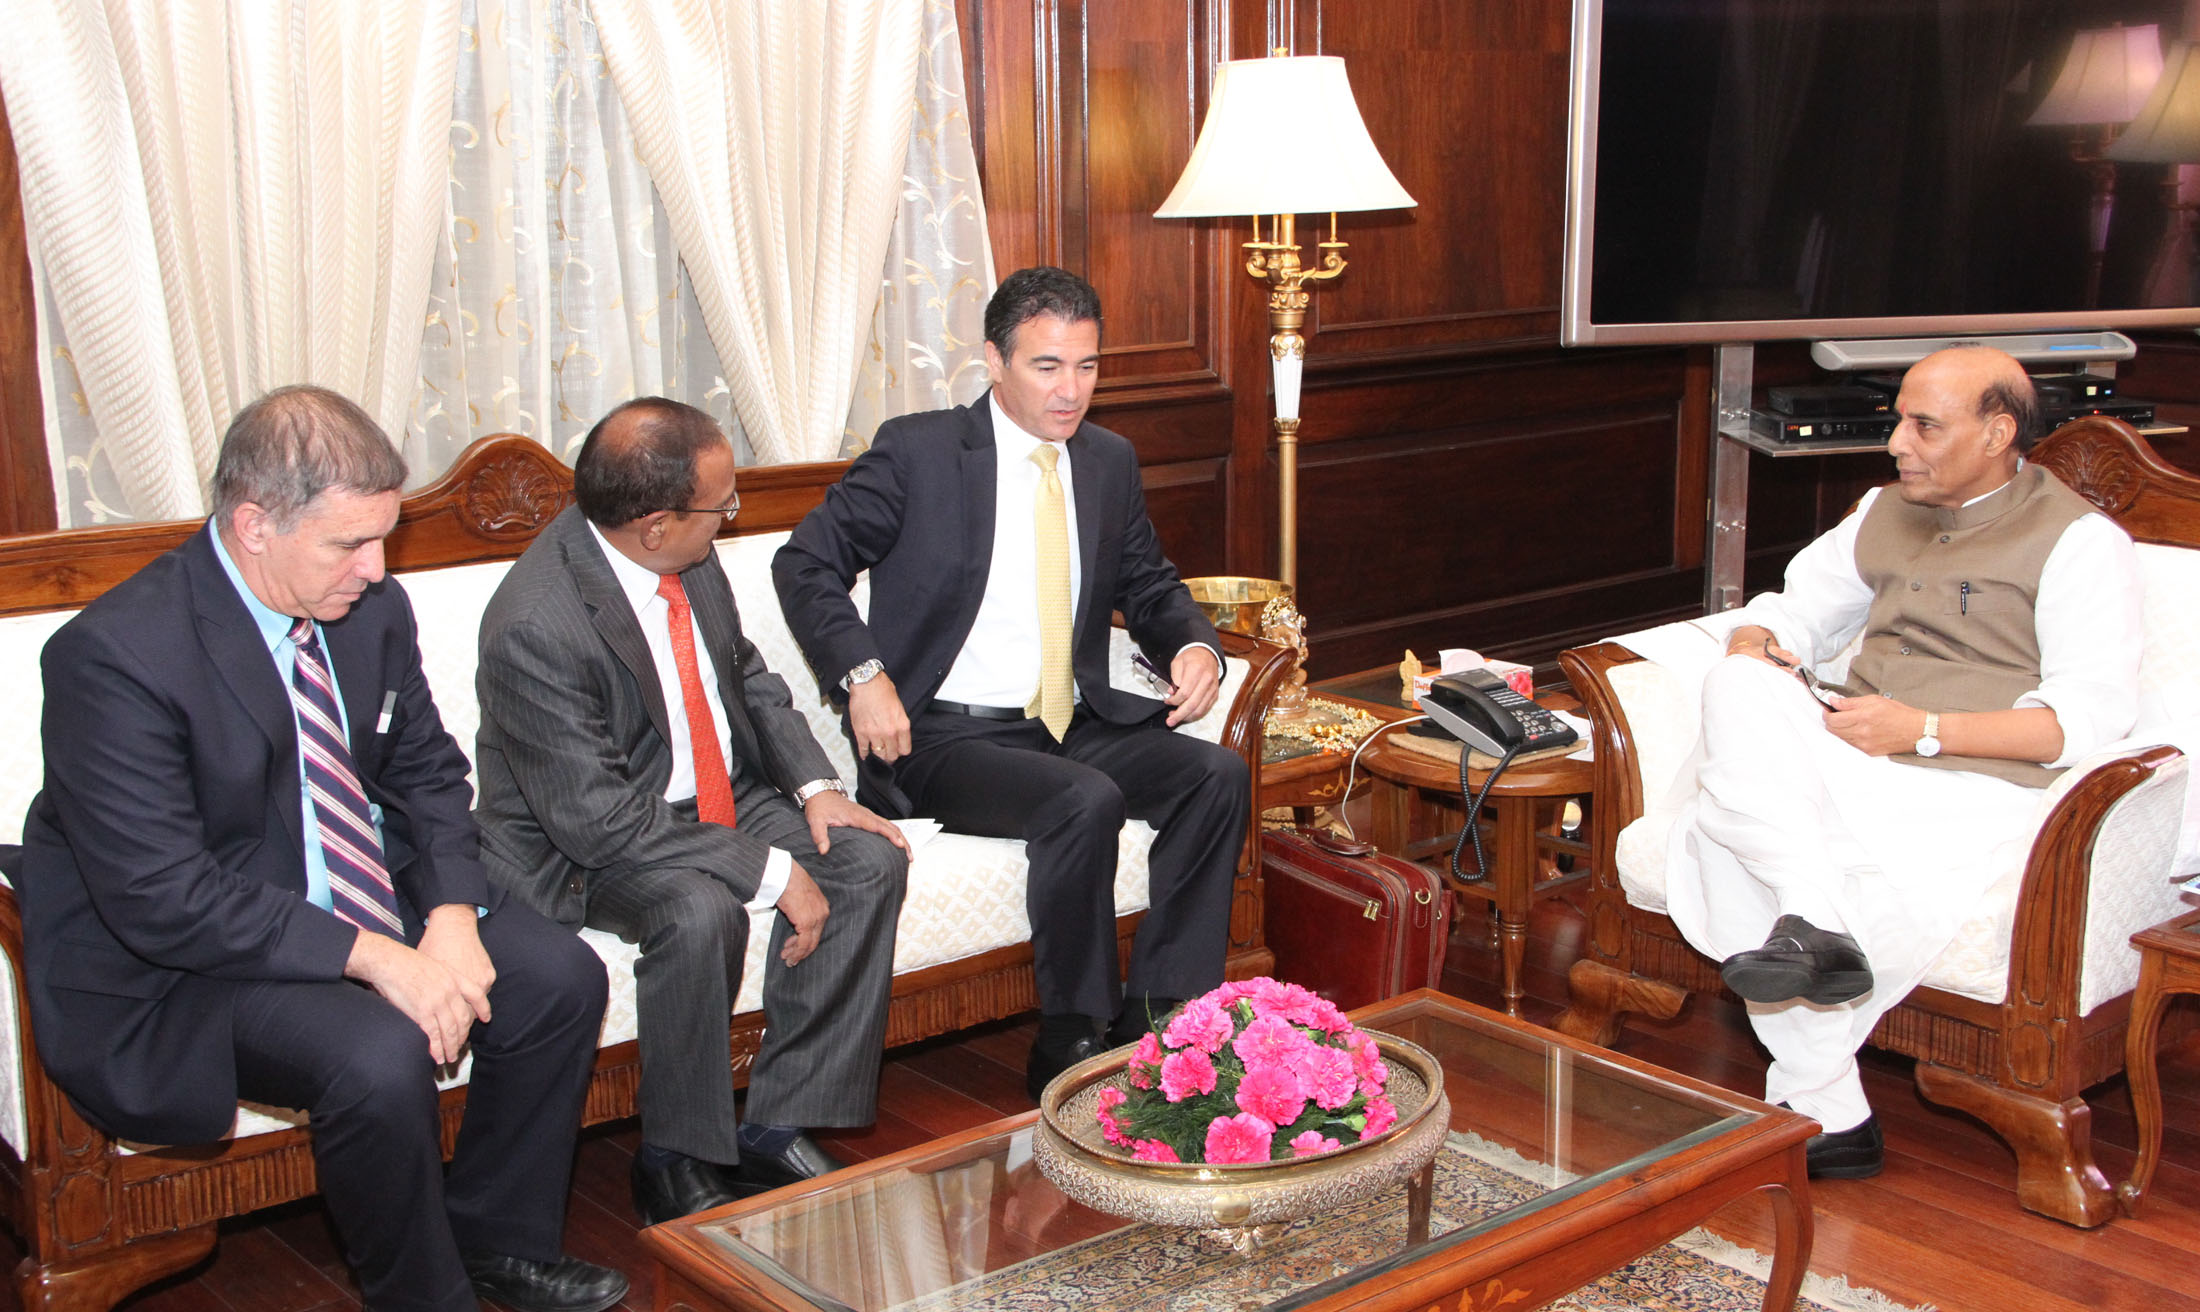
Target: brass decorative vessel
1242, 1204
1234, 601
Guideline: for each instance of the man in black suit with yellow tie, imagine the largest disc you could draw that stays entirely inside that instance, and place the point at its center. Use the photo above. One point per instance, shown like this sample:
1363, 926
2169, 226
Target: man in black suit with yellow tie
999, 537
252, 874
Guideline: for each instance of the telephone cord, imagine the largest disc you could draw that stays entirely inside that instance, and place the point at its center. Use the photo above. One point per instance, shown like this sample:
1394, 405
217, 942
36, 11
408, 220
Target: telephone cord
1473, 827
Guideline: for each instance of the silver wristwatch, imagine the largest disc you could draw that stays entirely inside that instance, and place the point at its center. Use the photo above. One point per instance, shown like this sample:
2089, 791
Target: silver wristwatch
864, 673
811, 789
1929, 743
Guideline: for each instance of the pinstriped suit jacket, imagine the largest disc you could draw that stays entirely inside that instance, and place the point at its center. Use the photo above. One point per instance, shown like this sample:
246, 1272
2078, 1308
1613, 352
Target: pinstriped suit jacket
572, 754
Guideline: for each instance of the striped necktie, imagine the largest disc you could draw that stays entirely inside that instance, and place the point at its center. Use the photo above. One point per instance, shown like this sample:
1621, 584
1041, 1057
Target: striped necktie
358, 884
1057, 694
713, 785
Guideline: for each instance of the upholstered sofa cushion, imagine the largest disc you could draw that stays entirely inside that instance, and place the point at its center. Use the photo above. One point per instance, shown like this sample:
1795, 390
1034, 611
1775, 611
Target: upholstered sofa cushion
965, 897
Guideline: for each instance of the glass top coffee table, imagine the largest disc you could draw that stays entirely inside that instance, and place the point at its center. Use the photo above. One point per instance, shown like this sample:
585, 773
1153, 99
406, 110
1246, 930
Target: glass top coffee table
1565, 1162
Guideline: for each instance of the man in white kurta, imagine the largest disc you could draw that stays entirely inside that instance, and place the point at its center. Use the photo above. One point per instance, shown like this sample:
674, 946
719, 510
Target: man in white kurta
2000, 626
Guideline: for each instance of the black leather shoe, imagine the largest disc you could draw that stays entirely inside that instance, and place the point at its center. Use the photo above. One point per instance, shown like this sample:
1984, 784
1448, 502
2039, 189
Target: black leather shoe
1857, 1153
1045, 1065
687, 1186
1800, 960
1140, 1016
798, 1161
566, 1285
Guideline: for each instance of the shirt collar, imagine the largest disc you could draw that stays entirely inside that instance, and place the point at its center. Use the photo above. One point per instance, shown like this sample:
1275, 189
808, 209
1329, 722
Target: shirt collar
274, 626
1011, 439
638, 582
1983, 495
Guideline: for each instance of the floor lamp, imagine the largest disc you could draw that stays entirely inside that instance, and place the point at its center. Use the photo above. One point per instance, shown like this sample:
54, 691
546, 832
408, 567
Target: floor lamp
2167, 131
2104, 82
1283, 137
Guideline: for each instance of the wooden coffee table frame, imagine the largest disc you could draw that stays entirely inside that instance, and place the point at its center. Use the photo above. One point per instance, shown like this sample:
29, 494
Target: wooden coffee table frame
1518, 1260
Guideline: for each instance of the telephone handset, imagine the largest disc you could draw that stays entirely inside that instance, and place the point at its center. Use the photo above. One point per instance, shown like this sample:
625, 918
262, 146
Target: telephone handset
1483, 711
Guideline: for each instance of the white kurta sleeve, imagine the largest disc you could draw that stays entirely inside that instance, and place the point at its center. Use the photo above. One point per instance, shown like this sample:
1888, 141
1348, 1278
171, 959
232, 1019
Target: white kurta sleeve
2089, 626
1825, 601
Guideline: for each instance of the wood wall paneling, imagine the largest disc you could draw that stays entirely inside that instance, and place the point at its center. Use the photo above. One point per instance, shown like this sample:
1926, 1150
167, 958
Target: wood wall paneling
1467, 103
26, 477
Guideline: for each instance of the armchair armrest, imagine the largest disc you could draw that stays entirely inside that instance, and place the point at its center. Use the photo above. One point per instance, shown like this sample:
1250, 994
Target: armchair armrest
1615, 766
2120, 806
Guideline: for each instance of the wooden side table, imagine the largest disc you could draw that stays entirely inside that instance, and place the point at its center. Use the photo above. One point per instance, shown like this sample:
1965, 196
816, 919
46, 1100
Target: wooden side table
1416, 812
2169, 964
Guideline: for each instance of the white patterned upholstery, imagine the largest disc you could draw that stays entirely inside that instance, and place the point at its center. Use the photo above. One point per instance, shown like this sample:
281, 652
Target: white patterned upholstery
2151, 832
966, 895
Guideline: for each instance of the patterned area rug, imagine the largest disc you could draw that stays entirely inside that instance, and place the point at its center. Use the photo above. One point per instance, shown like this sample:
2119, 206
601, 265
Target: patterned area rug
1142, 1268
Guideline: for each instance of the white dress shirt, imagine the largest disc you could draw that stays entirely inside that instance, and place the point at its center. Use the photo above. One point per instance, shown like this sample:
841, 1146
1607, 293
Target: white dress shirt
654, 614
999, 661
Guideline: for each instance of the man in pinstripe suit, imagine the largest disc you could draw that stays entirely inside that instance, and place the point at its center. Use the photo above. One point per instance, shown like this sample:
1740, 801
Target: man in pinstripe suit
610, 641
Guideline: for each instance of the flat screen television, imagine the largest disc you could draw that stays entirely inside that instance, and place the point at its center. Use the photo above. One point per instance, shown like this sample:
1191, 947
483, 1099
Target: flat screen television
1744, 170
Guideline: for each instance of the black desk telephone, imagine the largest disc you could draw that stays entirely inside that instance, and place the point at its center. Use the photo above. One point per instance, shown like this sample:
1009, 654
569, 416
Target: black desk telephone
1483, 711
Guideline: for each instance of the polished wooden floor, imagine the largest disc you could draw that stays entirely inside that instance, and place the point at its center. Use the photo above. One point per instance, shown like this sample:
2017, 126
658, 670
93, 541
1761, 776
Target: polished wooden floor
1941, 1226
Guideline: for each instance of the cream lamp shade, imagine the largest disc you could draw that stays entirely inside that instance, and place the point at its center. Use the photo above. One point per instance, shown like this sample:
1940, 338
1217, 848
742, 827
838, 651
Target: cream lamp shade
1283, 136
2167, 129
2106, 78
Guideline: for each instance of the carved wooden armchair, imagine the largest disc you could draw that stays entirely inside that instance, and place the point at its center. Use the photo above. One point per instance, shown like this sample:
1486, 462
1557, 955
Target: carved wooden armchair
2028, 1008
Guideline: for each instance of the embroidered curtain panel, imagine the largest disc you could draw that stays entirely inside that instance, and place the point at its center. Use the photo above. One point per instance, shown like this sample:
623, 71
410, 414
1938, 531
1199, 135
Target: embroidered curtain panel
223, 198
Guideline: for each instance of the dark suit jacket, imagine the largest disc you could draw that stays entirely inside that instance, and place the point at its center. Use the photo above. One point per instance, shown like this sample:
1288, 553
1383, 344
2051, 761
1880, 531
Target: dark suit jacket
573, 745
165, 856
917, 511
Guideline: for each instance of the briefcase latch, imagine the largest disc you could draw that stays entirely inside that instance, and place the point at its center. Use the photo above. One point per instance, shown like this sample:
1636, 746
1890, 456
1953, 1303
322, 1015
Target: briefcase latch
1373, 910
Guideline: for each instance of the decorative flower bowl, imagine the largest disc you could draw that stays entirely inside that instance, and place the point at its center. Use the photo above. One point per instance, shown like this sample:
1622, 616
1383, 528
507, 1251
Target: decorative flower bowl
1248, 1202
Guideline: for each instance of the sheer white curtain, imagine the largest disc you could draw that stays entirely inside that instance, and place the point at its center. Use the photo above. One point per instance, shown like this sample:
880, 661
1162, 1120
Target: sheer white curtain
222, 197
925, 349
557, 290
776, 134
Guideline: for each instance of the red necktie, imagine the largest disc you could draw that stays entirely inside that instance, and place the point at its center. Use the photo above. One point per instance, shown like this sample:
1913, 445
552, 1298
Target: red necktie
713, 789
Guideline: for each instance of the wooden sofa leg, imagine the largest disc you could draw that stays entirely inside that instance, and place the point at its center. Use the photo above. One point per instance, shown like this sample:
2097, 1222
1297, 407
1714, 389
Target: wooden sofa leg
1600, 997
99, 1281
2053, 1141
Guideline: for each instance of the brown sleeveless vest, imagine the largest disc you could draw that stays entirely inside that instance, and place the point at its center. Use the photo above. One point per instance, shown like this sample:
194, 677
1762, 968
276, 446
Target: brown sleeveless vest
1954, 593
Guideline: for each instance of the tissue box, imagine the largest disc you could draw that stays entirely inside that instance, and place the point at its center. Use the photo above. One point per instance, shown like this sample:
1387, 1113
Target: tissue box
1520, 678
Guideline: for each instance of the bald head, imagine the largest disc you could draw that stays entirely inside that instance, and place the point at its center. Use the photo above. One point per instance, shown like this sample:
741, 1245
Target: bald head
641, 458
1999, 383
1968, 413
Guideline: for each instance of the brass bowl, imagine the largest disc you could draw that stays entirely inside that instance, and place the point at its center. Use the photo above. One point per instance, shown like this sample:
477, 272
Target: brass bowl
1240, 1203
1233, 601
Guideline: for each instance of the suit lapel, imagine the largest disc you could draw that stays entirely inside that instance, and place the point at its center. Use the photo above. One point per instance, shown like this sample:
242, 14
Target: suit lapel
234, 647
1085, 475
611, 615
980, 485
710, 596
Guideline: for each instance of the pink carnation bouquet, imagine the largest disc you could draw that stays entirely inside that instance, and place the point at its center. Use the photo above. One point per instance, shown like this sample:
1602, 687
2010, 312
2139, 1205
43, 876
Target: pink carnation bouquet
1255, 1071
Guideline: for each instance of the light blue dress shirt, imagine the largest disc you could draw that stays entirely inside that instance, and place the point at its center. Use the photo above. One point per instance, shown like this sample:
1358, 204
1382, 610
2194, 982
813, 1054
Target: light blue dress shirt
275, 631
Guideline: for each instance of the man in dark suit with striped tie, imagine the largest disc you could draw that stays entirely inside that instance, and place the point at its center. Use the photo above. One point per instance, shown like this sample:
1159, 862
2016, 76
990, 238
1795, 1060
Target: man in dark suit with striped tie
643, 772
251, 810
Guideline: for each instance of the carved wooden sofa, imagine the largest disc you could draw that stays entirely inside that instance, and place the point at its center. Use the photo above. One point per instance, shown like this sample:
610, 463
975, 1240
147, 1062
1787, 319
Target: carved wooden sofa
98, 1219
2028, 1008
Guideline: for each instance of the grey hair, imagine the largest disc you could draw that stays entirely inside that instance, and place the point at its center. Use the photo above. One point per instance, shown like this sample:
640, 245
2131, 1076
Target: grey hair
295, 443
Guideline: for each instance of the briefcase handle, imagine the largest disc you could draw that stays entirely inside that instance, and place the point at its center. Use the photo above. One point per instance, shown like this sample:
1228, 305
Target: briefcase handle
1329, 840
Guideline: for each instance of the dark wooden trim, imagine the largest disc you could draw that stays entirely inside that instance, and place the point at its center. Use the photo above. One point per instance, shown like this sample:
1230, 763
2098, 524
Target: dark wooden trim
26, 477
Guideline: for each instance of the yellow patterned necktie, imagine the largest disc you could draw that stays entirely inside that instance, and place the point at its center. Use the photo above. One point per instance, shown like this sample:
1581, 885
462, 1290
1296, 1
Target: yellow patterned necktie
1050, 526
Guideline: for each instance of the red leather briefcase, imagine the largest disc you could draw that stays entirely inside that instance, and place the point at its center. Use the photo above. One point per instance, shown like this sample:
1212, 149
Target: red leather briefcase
1348, 922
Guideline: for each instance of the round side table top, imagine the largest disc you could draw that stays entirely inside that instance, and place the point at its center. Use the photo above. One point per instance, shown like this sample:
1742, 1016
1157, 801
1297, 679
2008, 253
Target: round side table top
1550, 776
